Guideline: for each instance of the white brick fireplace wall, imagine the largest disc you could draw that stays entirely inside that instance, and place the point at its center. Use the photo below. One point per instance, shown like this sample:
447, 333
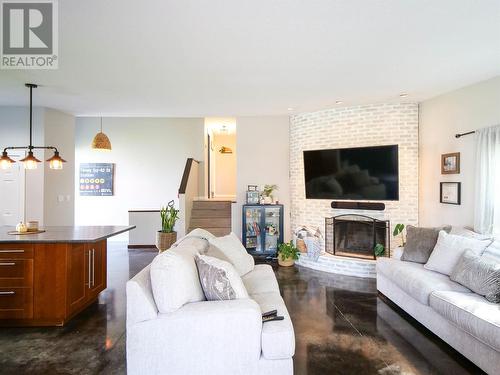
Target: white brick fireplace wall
367, 125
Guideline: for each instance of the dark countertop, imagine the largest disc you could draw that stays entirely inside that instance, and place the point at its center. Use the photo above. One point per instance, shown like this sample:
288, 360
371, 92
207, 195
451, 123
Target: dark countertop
69, 234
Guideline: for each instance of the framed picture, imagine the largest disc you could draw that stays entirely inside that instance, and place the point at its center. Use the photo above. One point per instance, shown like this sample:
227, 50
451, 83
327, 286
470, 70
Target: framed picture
450, 193
450, 163
253, 197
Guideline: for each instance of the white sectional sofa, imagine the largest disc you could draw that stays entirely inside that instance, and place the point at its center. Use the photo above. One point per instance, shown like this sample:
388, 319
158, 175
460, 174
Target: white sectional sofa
461, 318
209, 337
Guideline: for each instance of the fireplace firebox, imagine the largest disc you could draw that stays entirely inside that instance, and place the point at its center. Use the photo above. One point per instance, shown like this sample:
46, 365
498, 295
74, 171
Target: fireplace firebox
356, 236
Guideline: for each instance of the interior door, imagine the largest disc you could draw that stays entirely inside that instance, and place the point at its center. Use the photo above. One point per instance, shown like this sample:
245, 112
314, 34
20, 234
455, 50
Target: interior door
12, 186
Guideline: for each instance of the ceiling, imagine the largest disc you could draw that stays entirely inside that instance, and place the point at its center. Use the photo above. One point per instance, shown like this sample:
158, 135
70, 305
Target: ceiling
235, 58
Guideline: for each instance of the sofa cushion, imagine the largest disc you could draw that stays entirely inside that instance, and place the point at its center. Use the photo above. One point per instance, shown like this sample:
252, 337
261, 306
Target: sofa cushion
415, 280
493, 251
219, 280
174, 279
230, 248
420, 242
194, 244
465, 232
449, 248
471, 313
278, 338
479, 274
261, 280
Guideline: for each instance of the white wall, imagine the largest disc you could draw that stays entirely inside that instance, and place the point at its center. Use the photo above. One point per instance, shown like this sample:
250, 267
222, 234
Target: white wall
150, 155
59, 185
263, 158
460, 111
225, 166
359, 126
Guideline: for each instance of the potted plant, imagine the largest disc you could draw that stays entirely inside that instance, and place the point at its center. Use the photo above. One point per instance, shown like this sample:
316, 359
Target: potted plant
398, 230
166, 237
379, 250
267, 194
287, 254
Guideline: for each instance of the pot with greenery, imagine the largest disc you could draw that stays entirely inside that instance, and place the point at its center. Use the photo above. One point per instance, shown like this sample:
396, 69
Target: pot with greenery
287, 254
166, 237
267, 194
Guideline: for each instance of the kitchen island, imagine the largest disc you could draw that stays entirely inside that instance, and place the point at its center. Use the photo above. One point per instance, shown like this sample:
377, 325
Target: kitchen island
48, 278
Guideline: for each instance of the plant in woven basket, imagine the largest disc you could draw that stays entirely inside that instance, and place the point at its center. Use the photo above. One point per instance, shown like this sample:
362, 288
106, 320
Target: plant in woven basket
166, 237
287, 254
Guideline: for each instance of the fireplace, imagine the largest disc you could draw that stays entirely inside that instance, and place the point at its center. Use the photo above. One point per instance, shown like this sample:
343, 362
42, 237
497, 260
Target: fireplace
356, 236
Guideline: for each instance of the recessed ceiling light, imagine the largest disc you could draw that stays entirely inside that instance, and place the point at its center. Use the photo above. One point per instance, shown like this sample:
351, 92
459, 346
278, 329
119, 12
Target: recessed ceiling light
290, 108
403, 95
339, 102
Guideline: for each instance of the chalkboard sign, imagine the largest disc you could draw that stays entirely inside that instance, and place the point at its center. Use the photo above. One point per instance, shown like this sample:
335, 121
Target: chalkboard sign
96, 179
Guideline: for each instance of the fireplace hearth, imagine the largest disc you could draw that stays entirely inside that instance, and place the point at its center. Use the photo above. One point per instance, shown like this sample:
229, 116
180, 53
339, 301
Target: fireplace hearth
356, 236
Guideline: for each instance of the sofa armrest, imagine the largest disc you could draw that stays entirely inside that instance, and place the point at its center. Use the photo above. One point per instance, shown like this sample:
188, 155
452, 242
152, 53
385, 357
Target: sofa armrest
141, 305
215, 335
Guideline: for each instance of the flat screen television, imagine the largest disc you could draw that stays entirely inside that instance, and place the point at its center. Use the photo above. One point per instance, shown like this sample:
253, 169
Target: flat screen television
362, 173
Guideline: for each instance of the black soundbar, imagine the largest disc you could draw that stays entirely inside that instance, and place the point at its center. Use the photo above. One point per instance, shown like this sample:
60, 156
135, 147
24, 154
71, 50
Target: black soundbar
358, 206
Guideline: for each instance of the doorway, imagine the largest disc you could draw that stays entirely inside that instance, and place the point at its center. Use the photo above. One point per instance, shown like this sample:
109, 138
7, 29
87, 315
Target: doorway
221, 158
12, 193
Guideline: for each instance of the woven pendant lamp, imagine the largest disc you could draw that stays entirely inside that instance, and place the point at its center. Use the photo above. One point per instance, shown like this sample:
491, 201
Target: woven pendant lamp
101, 141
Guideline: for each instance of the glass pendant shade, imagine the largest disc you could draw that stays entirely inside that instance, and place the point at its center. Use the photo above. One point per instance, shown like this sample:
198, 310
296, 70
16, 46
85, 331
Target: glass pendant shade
56, 162
30, 161
5, 161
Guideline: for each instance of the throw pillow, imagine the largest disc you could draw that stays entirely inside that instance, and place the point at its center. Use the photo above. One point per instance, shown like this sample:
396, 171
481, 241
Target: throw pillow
230, 249
479, 274
420, 242
174, 280
465, 232
449, 248
219, 279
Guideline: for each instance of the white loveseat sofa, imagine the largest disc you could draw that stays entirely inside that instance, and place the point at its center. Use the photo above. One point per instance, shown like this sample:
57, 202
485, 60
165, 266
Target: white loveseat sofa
461, 318
209, 337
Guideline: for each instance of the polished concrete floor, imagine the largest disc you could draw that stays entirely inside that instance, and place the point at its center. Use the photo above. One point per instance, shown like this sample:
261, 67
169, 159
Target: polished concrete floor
341, 327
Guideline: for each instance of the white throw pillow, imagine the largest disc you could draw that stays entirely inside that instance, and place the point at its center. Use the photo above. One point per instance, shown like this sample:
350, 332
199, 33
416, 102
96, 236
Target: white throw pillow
465, 232
448, 250
219, 279
174, 279
230, 248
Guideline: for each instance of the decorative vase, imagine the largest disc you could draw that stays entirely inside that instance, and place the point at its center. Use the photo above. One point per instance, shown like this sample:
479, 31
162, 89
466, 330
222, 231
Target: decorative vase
288, 262
268, 200
164, 240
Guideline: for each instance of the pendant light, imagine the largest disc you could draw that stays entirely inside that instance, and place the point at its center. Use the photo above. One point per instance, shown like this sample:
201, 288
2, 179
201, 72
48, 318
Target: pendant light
101, 141
30, 161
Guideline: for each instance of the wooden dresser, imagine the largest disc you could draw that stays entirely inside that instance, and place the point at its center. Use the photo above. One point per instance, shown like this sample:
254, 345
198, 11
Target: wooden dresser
47, 283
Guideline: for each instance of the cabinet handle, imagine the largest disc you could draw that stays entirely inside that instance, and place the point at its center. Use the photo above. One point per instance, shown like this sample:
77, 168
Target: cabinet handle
12, 251
7, 264
90, 270
93, 267
9, 293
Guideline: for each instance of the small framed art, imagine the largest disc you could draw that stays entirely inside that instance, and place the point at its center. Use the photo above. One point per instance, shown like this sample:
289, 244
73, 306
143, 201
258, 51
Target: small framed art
450, 193
450, 163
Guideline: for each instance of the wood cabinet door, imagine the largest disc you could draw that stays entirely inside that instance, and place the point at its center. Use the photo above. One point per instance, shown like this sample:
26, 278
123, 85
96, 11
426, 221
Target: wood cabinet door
79, 262
98, 268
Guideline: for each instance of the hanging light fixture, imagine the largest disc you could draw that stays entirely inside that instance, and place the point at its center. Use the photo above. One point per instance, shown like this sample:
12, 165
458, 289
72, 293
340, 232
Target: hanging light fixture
30, 161
101, 141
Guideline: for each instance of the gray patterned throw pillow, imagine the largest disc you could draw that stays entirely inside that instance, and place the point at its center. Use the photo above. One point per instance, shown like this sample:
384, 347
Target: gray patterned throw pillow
219, 280
479, 274
420, 242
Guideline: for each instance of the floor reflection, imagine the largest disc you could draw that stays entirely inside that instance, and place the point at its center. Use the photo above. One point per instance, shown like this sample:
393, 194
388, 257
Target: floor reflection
342, 327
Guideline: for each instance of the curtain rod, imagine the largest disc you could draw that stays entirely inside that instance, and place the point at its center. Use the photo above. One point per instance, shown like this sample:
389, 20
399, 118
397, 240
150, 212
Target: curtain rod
461, 135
